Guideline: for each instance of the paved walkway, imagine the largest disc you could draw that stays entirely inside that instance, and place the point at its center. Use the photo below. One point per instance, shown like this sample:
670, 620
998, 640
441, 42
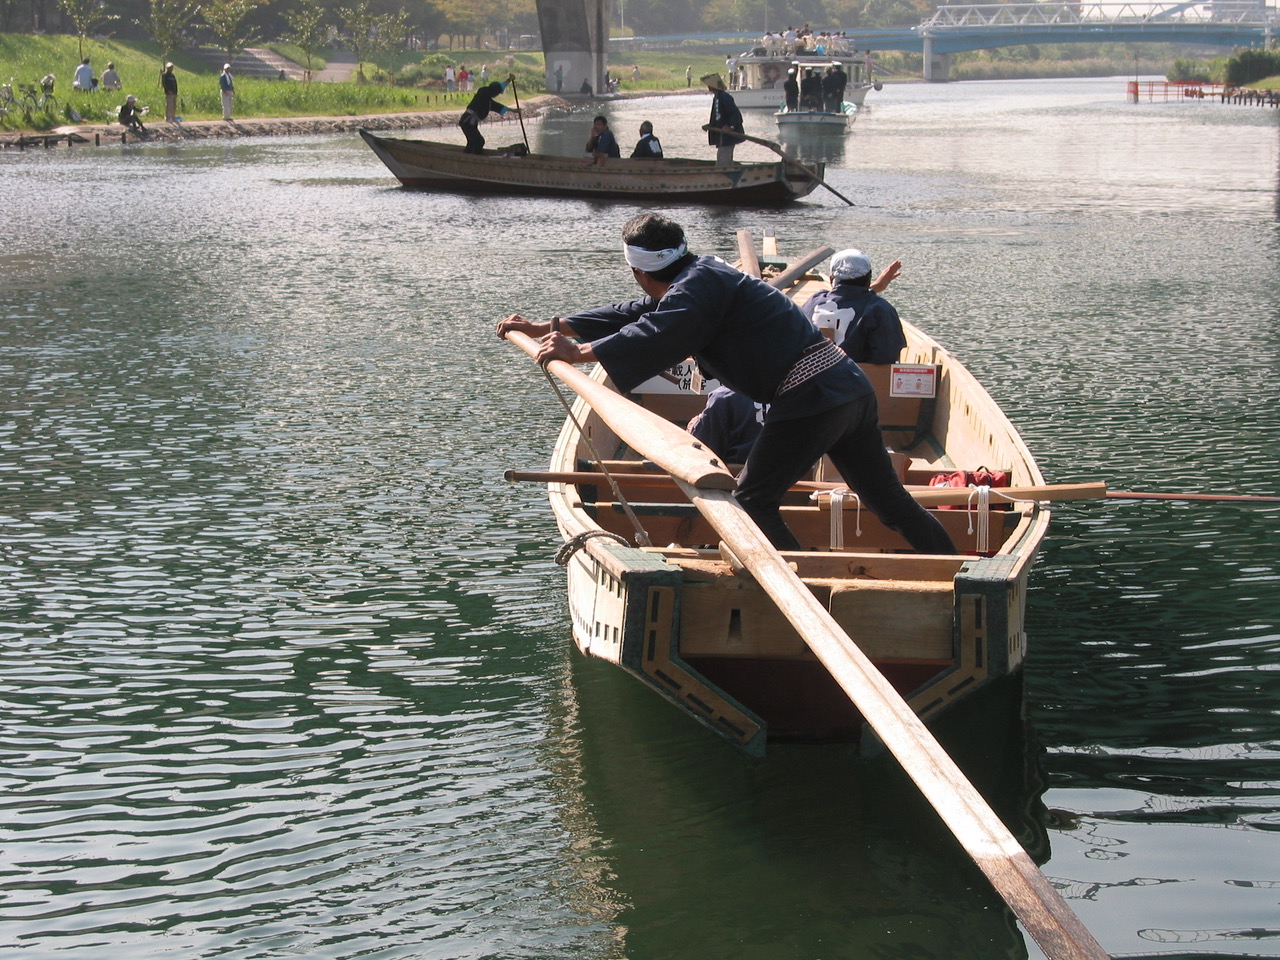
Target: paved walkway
341, 66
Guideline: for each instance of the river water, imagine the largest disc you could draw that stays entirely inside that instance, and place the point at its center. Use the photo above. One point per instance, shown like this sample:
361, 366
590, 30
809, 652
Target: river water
284, 663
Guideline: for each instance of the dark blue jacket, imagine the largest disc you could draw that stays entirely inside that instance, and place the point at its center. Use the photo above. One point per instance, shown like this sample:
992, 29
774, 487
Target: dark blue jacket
742, 332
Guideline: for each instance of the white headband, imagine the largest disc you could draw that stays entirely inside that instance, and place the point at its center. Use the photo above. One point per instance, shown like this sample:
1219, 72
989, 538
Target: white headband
651, 260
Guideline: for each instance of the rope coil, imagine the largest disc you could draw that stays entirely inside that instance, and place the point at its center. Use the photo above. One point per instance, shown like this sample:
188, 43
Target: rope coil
576, 543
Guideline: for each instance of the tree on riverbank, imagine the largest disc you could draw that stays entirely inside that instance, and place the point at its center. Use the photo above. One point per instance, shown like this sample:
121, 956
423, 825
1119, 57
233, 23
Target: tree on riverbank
169, 22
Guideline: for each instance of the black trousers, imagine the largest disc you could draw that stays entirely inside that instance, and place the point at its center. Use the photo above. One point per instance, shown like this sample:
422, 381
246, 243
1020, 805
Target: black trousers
787, 449
471, 130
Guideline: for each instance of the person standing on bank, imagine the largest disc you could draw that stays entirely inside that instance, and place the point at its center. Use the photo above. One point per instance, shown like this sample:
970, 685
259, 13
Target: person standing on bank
753, 339
647, 147
228, 88
726, 119
169, 84
477, 110
866, 325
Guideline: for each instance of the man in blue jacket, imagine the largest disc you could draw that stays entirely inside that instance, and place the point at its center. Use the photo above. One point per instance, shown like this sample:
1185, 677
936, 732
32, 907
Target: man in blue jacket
753, 339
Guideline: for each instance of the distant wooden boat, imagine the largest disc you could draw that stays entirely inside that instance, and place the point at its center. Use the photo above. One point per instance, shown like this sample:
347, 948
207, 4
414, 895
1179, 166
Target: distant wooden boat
684, 619
820, 120
427, 165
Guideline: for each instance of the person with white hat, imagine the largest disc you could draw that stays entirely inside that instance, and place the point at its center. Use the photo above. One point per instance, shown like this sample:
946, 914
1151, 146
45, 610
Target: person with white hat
131, 114
169, 83
865, 324
726, 119
753, 339
228, 88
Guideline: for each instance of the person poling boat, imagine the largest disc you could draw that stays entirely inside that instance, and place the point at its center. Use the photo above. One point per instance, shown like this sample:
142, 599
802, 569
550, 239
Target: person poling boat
478, 109
752, 337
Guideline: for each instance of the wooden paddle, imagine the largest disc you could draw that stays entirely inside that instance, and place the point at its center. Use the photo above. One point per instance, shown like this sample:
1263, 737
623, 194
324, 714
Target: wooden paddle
984, 837
777, 148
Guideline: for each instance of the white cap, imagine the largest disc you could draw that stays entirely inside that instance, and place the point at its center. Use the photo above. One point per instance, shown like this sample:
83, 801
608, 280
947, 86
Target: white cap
226, 66
850, 264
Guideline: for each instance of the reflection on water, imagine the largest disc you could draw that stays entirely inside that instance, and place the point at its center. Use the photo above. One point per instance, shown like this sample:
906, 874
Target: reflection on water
283, 661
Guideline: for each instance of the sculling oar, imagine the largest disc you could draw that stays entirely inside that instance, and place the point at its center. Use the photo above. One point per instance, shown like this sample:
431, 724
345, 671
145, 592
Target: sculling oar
1210, 497
511, 79
777, 148
925, 496
1012, 873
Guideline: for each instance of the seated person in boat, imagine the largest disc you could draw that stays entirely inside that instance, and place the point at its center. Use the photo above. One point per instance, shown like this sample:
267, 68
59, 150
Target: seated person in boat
603, 145
480, 107
131, 114
647, 147
753, 339
853, 313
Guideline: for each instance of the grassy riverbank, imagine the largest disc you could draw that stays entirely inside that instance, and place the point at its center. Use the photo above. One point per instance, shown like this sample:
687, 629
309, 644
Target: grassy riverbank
26, 59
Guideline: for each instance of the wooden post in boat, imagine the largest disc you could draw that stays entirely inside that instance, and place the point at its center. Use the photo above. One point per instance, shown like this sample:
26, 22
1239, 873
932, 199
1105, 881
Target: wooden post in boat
1011, 871
750, 263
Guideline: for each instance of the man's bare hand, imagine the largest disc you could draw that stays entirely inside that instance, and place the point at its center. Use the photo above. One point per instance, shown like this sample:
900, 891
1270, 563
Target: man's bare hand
519, 324
556, 346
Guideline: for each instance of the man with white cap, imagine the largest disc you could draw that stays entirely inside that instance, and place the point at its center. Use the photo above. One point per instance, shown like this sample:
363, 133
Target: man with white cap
228, 88
751, 337
169, 83
131, 114
865, 324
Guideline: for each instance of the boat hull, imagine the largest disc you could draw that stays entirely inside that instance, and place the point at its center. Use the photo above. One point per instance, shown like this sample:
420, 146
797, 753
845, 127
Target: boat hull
839, 122
709, 640
426, 165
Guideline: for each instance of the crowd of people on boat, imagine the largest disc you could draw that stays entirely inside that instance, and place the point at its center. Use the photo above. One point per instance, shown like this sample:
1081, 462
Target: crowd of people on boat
792, 42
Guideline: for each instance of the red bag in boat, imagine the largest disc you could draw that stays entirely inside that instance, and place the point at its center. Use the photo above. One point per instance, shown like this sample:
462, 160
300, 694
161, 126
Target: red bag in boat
982, 477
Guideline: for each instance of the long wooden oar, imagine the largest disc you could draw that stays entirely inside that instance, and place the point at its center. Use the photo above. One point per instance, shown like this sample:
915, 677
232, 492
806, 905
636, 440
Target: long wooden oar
1209, 497
1013, 874
777, 148
926, 496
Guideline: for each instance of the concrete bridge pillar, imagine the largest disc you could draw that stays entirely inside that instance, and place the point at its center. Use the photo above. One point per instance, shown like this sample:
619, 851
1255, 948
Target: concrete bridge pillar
937, 66
575, 35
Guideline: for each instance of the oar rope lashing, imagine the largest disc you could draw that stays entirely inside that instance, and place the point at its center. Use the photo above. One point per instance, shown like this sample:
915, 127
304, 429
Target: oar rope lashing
642, 538
979, 511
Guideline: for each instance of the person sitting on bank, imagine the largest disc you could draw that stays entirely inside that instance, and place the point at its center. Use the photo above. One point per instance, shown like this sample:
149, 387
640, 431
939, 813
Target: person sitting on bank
479, 108
853, 313
602, 146
647, 147
83, 79
753, 339
111, 79
131, 114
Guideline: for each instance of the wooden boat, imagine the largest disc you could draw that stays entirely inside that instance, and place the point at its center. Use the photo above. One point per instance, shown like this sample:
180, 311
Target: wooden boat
683, 618
427, 165
765, 74
821, 120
